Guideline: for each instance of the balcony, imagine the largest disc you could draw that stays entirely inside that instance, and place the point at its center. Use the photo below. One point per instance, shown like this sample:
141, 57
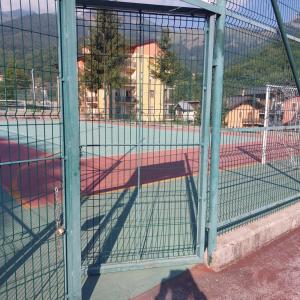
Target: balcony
131, 64
126, 99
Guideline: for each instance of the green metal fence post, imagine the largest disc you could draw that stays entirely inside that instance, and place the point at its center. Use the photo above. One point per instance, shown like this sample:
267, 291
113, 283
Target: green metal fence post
204, 134
69, 88
286, 43
216, 127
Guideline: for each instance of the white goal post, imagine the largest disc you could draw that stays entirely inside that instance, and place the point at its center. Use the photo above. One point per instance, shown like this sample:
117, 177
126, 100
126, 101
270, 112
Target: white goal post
276, 104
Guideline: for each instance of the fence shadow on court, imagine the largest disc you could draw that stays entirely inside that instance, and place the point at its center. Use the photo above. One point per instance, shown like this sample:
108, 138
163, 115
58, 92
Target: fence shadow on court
124, 203
192, 194
108, 227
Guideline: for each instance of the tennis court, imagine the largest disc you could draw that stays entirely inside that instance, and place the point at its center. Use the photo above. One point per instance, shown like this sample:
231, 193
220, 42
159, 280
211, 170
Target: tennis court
110, 154
139, 200
119, 155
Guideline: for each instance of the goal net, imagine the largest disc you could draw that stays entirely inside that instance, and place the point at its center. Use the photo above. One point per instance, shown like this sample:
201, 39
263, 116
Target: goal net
281, 134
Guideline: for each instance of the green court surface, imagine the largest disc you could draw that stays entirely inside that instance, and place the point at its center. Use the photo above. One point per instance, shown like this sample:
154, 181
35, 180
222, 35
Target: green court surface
156, 221
106, 139
152, 221
160, 222
31, 256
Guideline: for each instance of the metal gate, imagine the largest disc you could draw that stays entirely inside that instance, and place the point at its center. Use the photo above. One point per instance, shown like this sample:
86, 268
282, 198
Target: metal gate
144, 88
31, 154
141, 74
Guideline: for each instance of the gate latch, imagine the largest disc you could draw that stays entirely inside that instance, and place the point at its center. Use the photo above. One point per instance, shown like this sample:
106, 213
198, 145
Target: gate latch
60, 229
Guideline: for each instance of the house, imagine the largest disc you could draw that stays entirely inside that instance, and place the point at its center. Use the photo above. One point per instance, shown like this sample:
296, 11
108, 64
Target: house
291, 111
148, 91
245, 113
186, 110
141, 93
88, 100
248, 108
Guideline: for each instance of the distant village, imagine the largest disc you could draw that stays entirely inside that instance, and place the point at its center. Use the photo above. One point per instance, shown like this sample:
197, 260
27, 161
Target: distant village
148, 98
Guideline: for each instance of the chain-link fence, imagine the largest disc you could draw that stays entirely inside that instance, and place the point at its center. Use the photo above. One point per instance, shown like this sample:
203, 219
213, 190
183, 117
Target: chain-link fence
140, 78
145, 78
31, 253
261, 105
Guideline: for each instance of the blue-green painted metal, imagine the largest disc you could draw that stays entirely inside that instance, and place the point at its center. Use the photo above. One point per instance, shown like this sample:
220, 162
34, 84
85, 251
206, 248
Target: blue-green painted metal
205, 134
69, 87
286, 43
216, 127
258, 24
215, 9
202, 6
142, 265
257, 212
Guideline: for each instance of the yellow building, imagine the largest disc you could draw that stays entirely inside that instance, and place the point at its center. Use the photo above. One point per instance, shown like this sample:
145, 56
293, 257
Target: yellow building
141, 96
149, 91
243, 115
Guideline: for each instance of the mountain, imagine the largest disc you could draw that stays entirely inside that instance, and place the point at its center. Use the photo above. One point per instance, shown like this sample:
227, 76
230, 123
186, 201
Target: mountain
6, 16
36, 46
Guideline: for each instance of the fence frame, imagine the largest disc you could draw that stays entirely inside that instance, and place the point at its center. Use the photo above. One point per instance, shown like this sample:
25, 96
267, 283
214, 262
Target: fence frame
213, 61
71, 170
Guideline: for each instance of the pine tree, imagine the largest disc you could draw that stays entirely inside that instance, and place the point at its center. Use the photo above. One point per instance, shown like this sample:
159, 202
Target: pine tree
15, 80
167, 68
106, 56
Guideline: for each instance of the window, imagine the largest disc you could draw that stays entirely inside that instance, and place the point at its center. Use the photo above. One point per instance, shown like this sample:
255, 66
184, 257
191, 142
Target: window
151, 110
152, 61
151, 93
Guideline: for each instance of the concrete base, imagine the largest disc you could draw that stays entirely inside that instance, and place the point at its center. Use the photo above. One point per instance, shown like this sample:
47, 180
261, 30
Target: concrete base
242, 241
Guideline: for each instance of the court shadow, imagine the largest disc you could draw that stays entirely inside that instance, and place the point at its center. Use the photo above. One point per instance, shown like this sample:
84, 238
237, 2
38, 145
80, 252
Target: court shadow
110, 227
284, 173
179, 286
89, 286
107, 231
158, 172
109, 242
255, 152
88, 189
275, 151
109, 174
270, 165
192, 194
107, 228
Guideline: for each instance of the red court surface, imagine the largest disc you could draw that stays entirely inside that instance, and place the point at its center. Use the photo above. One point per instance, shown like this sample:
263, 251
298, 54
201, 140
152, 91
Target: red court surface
273, 272
32, 184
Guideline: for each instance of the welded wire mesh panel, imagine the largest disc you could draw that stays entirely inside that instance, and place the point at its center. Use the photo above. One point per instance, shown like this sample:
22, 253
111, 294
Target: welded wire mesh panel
31, 254
140, 78
249, 184
260, 167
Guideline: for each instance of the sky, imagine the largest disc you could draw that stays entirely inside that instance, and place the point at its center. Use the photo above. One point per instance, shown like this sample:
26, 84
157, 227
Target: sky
49, 5
41, 5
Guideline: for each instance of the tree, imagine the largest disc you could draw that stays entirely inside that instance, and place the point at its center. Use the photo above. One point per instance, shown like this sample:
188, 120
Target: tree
188, 87
167, 68
105, 57
14, 81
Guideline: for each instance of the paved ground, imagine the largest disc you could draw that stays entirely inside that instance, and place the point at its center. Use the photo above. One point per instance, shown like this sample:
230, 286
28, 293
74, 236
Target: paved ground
271, 273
